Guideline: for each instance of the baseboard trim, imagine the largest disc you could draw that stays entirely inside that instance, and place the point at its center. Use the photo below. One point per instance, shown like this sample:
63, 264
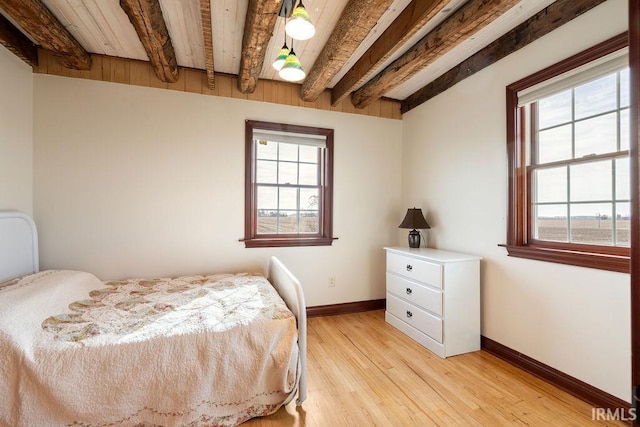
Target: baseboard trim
590, 394
346, 308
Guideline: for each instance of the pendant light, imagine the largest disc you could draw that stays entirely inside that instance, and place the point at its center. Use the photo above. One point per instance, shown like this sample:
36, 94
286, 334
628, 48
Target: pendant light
292, 70
299, 26
282, 56
284, 52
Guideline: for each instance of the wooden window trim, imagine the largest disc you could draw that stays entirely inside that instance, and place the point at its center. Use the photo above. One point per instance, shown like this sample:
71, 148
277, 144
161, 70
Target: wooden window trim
518, 244
325, 236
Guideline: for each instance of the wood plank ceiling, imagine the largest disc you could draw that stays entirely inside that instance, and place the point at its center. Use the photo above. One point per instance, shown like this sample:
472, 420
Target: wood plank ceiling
407, 50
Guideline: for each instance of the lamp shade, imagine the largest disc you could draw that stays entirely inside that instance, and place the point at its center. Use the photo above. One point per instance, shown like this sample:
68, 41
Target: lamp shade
292, 70
281, 58
299, 26
414, 219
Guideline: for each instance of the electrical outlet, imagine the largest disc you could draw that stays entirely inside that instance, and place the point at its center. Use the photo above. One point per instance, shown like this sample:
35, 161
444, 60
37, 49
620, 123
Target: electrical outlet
332, 282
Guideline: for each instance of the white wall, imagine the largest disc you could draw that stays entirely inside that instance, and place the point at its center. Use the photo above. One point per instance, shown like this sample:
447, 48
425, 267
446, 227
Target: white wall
454, 165
16, 133
132, 181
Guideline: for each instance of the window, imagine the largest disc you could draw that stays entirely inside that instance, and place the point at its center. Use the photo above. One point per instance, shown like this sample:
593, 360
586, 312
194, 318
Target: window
568, 145
288, 189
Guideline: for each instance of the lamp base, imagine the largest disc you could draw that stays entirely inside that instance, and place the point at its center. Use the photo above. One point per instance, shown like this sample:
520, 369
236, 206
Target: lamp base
414, 239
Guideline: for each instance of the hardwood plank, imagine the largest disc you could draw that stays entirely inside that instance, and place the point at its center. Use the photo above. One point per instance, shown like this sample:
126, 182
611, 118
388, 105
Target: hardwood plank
462, 24
258, 93
179, 85
356, 21
43, 27
285, 93
258, 27
43, 61
224, 85
119, 70
270, 91
106, 68
406, 25
139, 73
96, 67
207, 35
17, 43
235, 89
545, 21
323, 101
148, 21
193, 80
362, 371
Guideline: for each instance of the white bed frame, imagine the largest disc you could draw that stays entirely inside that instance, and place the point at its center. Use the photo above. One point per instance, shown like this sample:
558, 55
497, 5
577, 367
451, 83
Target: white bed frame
19, 256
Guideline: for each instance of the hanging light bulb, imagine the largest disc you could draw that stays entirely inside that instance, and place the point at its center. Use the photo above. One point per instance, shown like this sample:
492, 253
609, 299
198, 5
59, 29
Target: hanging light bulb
282, 57
292, 70
299, 26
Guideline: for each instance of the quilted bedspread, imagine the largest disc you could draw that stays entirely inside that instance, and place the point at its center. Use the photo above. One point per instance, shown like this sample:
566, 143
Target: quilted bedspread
200, 350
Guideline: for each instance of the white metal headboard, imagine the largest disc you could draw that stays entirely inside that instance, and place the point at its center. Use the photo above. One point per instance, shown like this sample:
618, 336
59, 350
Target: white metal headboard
18, 245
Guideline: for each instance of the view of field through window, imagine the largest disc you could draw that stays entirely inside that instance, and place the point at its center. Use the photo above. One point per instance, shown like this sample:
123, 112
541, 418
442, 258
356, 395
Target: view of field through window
580, 165
288, 188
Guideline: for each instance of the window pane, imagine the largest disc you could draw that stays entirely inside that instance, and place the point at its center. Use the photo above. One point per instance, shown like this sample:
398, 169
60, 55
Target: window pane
551, 185
266, 171
554, 110
288, 152
309, 222
625, 129
596, 136
596, 97
591, 223
623, 179
590, 181
267, 197
267, 222
288, 198
623, 223
267, 150
551, 223
554, 144
288, 223
308, 174
308, 154
624, 87
288, 173
309, 198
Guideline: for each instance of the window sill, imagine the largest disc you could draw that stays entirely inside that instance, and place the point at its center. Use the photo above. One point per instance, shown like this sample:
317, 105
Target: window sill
280, 242
619, 263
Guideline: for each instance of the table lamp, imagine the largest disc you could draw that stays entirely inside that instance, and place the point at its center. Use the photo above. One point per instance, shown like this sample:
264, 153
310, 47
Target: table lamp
414, 219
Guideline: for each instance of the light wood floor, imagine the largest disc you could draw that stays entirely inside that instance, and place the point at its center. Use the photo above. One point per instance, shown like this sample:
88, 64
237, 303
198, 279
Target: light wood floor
364, 372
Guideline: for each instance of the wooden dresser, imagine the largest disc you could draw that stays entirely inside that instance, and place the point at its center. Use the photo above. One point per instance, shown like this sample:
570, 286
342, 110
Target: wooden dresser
433, 296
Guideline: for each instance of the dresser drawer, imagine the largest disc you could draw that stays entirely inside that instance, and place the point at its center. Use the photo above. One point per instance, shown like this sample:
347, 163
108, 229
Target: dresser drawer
423, 296
418, 270
416, 317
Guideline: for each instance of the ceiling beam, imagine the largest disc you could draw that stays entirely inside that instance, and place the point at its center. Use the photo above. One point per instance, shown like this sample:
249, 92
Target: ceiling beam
43, 27
545, 21
406, 25
205, 12
462, 24
259, 24
146, 17
355, 23
18, 43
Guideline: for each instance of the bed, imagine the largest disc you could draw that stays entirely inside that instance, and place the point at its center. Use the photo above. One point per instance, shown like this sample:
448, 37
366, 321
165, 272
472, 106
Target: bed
195, 350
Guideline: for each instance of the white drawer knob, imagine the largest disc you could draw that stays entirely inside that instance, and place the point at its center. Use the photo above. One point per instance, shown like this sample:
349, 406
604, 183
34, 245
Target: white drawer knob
409, 291
409, 314
409, 267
